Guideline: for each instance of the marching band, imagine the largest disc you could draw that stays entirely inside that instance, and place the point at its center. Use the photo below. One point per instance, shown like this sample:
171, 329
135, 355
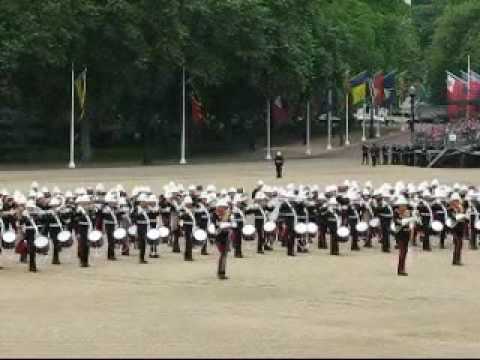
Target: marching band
294, 216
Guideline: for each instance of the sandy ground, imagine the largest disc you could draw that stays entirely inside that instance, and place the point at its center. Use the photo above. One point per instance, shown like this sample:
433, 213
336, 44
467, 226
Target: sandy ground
272, 306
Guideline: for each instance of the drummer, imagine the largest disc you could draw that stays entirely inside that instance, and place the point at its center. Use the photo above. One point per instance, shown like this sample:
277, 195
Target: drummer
237, 223
83, 223
140, 218
54, 228
30, 220
187, 218
153, 213
109, 219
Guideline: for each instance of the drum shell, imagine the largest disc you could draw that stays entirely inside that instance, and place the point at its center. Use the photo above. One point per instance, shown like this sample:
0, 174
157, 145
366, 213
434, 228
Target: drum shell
436, 226
269, 227
164, 232
248, 232
119, 234
312, 228
63, 240
132, 230
42, 245
153, 237
300, 229
343, 233
8, 240
199, 236
92, 239
374, 223
361, 227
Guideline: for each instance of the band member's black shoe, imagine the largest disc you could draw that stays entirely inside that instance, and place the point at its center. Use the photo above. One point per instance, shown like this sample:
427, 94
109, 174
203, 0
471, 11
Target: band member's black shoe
457, 263
222, 277
112, 258
402, 273
239, 256
155, 256
84, 265
386, 251
204, 253
176, 250
188, 259
33, 269
143, 262
260, 252
356, 248
268, 248
396, 246
56, 262
23, 259
125, 254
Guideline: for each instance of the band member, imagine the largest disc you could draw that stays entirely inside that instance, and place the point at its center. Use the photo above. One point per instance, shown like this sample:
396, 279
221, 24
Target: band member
140, 218
259, 215
85, 217
186, 223
54, 228
424, 212
365, 151
202, 217
401, 220
375, 154
456, 213
385, 154
29, 219
353, 219
322, 221
385, 213
287, 223
237, 226
332, 225
222, 220
279, 161
474, 209
109, 220
153, 212
123, 216
301, 211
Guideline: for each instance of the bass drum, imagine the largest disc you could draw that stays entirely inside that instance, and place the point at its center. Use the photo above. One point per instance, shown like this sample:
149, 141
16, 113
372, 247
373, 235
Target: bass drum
8, 240
199, 237
248, 232
42, 244
343, 233
65, 239
95, 238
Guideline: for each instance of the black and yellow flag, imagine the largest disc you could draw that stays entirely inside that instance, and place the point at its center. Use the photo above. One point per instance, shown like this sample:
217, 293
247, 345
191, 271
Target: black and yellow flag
81, 85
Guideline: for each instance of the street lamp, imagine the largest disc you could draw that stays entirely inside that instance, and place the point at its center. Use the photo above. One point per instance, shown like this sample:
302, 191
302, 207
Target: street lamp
412, 92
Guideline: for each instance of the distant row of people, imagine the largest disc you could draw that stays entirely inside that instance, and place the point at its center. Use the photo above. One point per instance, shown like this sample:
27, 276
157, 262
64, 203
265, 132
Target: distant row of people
394, 154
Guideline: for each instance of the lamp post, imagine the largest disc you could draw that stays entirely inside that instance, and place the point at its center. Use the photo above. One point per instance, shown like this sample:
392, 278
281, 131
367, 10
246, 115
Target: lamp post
412, 93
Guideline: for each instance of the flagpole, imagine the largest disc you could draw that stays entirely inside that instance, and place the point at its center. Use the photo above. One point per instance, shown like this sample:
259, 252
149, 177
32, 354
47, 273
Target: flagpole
269, 150
182, 159
308, 150
347, 140
378, 124
71, 164
329, 119
364, 138
468, 90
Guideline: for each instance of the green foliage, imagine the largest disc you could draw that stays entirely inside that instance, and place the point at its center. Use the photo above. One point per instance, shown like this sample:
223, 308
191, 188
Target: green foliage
237, 53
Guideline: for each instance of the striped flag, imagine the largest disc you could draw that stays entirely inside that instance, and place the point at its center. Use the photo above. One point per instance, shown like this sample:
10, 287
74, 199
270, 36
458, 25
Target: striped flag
81, 86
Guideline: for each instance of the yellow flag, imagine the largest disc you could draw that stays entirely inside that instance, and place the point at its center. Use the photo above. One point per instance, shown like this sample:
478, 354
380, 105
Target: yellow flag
81, 85
359, 93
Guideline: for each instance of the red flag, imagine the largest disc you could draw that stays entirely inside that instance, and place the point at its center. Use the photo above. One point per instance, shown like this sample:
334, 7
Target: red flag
473, 97
279, 111
197, 110
378, 89
456, 95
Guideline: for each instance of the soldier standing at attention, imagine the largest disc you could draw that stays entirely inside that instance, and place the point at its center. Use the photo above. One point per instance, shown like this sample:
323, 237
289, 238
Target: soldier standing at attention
374, 153
365, 154
279, 161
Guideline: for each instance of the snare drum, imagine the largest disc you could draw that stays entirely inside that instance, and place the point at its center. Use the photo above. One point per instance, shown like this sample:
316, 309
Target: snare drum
8, 240
119, 234
65, 238
300, 228
248, 232
374, 223
153, 236
437, 226
199, 236
312, 228
164, 232
132, 231
41, 245
343, 233
361, 227
95, 238
269, 227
